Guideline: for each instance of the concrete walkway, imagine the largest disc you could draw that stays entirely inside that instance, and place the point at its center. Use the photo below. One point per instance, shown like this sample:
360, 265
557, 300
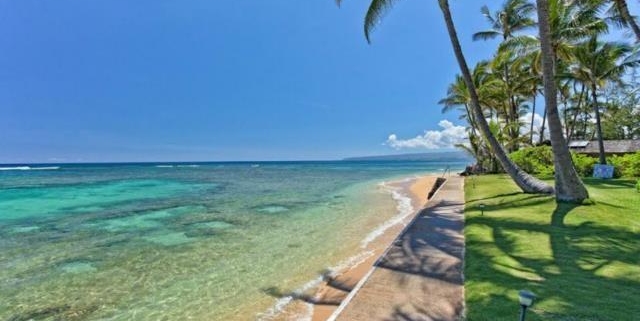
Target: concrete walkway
420, 275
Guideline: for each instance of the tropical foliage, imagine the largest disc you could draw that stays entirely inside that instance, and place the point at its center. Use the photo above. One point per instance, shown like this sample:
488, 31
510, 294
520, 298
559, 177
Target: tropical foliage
538, 161
553, 49
595, 79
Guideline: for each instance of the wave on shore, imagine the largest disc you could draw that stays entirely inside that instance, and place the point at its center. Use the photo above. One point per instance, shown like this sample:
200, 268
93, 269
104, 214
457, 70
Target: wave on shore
404, 208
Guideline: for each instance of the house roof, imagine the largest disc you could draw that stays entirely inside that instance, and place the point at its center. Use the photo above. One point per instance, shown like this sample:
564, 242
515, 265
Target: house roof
578, 144
610, 146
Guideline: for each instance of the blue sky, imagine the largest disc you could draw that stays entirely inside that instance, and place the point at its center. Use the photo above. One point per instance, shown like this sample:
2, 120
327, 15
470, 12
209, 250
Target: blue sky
115, 80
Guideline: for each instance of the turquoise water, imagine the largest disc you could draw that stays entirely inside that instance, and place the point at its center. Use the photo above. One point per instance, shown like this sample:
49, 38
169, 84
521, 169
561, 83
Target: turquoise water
179, 241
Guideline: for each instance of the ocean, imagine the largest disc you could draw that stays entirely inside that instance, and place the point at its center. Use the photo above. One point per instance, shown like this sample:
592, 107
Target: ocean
196, 241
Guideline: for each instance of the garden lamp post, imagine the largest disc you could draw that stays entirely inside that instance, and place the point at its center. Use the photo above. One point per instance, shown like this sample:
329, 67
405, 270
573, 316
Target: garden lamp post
481, 209
526, 300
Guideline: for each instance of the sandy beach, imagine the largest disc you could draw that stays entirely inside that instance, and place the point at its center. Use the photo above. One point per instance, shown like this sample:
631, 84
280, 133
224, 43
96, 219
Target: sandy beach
336, 288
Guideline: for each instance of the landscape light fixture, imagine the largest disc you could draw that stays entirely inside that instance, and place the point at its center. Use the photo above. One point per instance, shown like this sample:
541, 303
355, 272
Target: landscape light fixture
526, 300
481, 209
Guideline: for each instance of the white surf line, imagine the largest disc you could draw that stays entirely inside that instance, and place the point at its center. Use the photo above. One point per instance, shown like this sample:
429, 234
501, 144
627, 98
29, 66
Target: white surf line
282, 302
364, 280
404, 210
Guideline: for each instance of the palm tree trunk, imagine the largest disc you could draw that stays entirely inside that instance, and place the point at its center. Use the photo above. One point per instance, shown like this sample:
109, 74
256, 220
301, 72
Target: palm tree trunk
513, 131
569, 187
565, 115
594, 96
533, 117
470, 118
544, 121
515, 125
627, 17
576, 112
526, 182
585, 124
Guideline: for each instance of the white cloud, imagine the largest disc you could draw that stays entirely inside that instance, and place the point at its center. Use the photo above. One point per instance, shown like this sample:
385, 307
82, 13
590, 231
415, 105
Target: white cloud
525, 128
432, 139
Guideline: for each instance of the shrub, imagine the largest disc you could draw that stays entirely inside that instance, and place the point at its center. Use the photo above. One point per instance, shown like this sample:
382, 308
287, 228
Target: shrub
633, 165
618, 164
626, 166
539, 161
534, 160
638, 186
584, 164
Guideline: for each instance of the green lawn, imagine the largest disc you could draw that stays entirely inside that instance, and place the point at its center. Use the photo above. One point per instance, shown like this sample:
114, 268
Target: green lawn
583, 262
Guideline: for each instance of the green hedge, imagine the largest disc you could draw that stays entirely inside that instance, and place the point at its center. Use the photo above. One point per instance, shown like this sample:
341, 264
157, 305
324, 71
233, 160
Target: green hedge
539, 161
584, 164
534, 160
626, 166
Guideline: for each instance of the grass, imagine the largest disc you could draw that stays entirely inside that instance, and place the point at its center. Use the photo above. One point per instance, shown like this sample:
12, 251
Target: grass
583, 262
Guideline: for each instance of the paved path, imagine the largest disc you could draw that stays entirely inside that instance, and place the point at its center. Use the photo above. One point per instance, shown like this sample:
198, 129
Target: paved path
420, 275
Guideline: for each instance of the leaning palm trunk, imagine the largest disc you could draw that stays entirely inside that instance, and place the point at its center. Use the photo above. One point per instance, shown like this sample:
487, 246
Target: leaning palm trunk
569, 187
526, 182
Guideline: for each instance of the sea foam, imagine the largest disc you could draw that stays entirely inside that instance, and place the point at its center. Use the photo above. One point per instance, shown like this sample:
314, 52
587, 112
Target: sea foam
405, 209
281, 303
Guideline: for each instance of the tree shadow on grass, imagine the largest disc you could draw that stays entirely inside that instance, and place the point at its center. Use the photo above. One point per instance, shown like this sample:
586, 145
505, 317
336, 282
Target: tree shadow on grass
610, 183
494, 197
579, 280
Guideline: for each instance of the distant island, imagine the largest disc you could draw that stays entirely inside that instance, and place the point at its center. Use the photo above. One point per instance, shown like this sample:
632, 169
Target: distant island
453, 156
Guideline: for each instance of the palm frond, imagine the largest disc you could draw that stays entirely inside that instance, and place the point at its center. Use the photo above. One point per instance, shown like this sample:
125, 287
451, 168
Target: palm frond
487, 14
486, 35
375, 13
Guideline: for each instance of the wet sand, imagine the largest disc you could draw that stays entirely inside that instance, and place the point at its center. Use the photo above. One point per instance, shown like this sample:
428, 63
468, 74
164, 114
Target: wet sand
336, 288
420, 276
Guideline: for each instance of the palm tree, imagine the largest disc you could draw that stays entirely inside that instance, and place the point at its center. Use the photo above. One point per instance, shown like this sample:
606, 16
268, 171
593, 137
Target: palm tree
514, 16
526, 182
597, 63
570, 22
532, 85
620, 15
569, 187
458, 99
617, 14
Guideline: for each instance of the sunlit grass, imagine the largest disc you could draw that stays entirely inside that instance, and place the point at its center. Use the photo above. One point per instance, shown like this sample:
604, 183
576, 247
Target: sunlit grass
583, 262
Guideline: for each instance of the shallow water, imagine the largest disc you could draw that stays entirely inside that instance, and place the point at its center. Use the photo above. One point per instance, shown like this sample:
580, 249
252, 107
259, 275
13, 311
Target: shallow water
207, 242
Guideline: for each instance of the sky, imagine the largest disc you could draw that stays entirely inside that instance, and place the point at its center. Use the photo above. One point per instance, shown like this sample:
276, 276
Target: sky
202, 80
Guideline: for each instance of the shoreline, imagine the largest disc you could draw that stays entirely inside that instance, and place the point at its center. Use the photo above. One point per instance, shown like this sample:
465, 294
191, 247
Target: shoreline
335, 288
